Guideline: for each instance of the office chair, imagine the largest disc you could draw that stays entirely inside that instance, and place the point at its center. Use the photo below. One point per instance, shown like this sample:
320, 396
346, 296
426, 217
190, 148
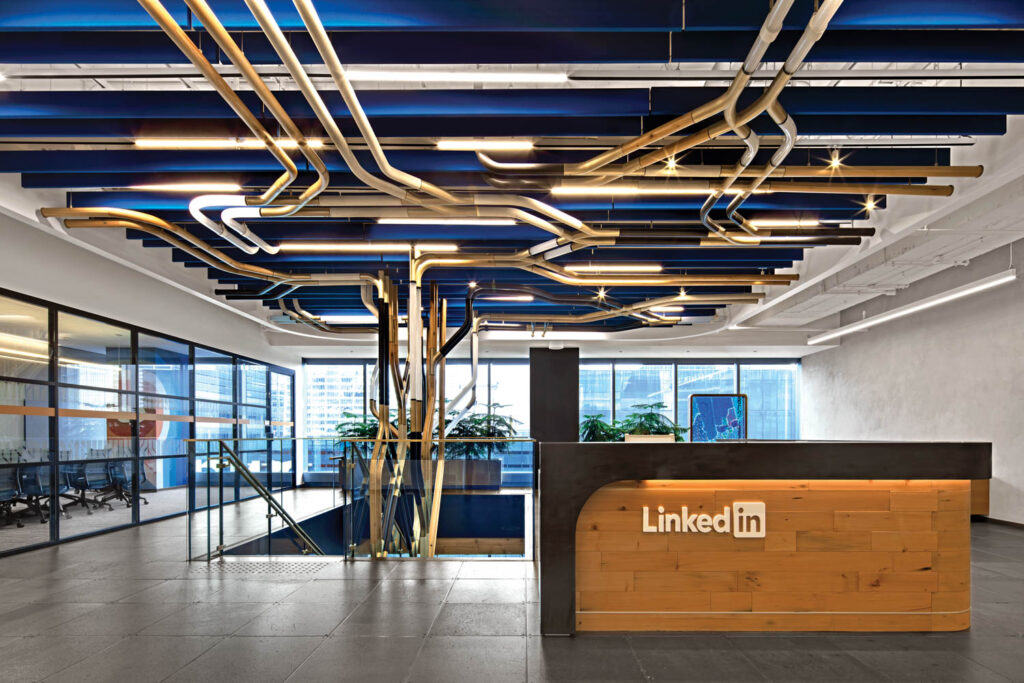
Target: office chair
121, 480
9, 495
34, 482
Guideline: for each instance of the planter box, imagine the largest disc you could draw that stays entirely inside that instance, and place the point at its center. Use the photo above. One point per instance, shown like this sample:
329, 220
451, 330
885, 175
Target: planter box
650, 438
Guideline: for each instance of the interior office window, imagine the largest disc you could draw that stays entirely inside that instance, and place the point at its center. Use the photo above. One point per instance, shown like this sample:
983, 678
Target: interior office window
596, 390
510, 396
457, 375
24, 423
282, 428
772, 408
702, 379
93, 353
214, 376
163, 366
95, 424
330, 392
253, 383
637, 385
24, 340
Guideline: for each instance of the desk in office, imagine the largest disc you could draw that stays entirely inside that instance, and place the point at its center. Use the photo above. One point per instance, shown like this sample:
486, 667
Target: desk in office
853, 536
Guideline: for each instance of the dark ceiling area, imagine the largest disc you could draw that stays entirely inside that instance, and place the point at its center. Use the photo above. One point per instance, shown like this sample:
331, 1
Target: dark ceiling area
100, 100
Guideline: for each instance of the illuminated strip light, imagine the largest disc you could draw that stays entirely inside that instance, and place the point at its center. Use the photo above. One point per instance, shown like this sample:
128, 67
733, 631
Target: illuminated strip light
552, 335
484, 145
614, 190
922, 305
509, 297
615, 268
426, 220
188, 187
785, 223
441, 76
367, 247
367, 319
666, 309
218, 143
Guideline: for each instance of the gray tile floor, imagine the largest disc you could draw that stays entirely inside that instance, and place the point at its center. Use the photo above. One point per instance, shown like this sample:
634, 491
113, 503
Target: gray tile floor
125, 607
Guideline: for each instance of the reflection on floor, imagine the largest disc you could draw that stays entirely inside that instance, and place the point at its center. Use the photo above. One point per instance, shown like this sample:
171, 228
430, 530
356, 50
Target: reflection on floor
125, 602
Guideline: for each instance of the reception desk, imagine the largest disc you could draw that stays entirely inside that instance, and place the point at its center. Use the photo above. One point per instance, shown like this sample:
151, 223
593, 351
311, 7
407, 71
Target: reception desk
756, 536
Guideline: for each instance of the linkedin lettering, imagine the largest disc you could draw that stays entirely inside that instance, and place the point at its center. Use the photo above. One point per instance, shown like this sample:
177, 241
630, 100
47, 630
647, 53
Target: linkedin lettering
743, 520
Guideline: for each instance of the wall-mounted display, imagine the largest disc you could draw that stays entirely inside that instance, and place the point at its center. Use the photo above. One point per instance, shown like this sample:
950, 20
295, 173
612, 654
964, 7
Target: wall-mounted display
718, 417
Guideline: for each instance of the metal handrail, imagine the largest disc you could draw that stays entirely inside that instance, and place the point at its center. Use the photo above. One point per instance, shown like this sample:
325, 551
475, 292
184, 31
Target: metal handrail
265, 494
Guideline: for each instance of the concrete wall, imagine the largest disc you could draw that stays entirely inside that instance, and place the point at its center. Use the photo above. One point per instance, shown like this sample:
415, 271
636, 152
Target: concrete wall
38, 264
954, 372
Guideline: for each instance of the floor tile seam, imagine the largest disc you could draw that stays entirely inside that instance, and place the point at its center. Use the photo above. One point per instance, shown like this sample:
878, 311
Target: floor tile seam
89, 656
636, 658
748, 659
217, 640
433, 622
983, 665
355, 609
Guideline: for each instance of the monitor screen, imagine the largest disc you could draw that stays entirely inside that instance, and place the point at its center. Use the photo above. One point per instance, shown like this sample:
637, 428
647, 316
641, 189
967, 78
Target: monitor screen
714, 417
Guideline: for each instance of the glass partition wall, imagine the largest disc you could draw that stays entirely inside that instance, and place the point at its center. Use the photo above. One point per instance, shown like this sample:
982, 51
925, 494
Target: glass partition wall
94, 418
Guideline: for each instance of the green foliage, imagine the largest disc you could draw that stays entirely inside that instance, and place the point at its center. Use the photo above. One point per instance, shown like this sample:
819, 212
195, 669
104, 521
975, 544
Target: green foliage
647, 419
480, 425
355, 426
593, 428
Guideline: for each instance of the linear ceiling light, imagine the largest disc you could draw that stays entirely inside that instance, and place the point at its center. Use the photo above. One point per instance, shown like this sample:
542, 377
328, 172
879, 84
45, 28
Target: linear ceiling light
509, 297
455, 76
540, 336
614, 268
426, 220
218, 143
924, 304
785, 223
359, 319
188, 187
612, 190
484, 145
666, 309
366, 247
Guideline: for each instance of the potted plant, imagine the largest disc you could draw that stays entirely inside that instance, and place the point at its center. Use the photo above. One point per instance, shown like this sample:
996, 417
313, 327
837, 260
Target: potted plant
594, 428
648, 423
469, 464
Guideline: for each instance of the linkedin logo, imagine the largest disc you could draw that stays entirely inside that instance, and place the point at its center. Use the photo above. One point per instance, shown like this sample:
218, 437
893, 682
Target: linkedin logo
743, 520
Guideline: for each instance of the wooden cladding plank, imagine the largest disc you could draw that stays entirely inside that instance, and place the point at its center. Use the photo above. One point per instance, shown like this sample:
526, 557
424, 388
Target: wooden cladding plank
604, 581
659, 582
788, 582
627, 561
899, 541
800, 521
951, 520
979, 497
883, 521
620, 601
914, 500
755, 621
899, 582
780, 541
912, 561
955, 499
841, 602
809, 501
786, 561
954, 601
833, 540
